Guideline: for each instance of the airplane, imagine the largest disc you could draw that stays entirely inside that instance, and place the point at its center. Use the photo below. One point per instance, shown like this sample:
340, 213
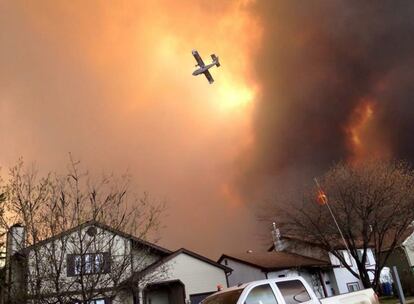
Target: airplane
203, 69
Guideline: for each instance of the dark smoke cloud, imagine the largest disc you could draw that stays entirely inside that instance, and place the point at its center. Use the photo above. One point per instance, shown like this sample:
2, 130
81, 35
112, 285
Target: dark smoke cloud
317, 61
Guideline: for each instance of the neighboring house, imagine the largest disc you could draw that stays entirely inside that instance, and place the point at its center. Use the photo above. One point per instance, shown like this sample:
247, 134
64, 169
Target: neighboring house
105, 265
403, 258
250, 266
345, 280
342, 280
199, 276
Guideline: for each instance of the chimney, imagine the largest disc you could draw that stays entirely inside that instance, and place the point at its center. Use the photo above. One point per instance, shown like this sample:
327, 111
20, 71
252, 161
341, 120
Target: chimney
15, 240
14, 243
277, 238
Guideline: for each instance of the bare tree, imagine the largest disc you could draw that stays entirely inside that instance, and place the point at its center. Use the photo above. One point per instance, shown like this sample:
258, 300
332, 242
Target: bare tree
373, 204
72, 249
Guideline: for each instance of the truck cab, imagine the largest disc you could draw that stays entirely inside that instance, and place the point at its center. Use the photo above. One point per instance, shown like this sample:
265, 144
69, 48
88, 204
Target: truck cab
285, 291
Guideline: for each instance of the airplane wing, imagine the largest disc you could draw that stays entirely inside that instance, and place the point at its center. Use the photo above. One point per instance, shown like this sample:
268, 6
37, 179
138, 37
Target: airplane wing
198, 58
209, 77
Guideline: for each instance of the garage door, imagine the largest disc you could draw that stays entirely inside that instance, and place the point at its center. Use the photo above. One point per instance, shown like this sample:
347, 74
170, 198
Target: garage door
197, 298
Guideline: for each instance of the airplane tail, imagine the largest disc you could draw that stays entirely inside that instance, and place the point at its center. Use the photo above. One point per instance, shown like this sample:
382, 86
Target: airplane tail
215, 60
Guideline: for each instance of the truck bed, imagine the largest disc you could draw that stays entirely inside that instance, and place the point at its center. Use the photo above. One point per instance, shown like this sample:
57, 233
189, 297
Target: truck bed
365, 296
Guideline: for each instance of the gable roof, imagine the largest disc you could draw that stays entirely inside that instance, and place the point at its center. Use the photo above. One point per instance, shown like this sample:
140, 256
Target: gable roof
173, 255
95, 223
274, 260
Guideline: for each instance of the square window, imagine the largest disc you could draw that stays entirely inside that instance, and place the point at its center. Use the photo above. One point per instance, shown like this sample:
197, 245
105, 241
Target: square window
353, 286
89, 263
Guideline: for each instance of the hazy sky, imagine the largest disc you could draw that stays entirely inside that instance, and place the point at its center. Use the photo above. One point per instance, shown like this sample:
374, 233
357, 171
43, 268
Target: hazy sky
302, 84
110, 82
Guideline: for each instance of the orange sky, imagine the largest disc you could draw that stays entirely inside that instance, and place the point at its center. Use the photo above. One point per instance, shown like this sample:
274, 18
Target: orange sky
111, 83
302, 85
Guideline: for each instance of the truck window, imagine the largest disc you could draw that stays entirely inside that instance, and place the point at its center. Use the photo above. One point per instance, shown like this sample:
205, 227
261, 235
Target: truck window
262, 294
228, 297
293, 292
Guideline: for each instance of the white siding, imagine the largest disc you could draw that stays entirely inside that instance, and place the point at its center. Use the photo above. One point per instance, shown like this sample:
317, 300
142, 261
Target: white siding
196, 275
343, 276
142, 258
408, 245
242, 273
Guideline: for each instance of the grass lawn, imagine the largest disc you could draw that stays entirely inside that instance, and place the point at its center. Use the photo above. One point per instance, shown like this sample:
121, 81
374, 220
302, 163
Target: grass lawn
394, 300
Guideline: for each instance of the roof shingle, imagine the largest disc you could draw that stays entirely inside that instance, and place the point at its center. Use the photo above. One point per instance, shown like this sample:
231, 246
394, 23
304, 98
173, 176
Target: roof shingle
275, 260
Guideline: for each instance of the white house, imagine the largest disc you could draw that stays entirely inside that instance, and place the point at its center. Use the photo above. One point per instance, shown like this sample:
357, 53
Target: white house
341, 279
403, 258
98, 264
250, 266
198, 275
345, 280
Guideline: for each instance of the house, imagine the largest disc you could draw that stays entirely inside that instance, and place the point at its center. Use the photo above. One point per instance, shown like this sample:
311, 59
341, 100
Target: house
403, 258
250, 266
342, 280
98, 264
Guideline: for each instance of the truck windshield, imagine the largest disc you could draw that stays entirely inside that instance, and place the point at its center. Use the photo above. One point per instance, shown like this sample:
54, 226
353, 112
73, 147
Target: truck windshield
227, 297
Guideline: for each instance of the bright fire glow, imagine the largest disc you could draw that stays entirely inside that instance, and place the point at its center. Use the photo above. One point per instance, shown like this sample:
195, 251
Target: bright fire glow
363, 140
362, 115
234, 95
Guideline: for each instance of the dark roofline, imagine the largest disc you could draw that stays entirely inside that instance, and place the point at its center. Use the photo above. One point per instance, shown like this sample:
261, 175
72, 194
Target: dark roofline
104, 227
225, 256
267, 269
339, 246
288, 237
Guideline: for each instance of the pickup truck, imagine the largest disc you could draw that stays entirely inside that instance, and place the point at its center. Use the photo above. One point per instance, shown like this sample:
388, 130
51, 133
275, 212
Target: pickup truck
285, 291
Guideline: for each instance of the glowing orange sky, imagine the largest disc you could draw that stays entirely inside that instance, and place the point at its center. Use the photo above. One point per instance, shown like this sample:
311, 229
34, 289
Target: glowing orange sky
111, 83
302, 85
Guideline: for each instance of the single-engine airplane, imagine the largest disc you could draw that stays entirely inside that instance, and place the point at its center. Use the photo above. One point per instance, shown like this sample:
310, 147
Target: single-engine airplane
203, 69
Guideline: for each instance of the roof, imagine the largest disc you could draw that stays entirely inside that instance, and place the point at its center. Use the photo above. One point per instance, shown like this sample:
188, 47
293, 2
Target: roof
178, 252
295, 239
275, 260
95, 223
401, 242
339, 245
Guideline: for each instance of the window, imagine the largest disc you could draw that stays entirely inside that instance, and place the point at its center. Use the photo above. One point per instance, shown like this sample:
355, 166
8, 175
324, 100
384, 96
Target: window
227, 297
354, 286
262, 294
99, 263
360, 253
78, 264
347, 257
90, 263
89, 258
293, 292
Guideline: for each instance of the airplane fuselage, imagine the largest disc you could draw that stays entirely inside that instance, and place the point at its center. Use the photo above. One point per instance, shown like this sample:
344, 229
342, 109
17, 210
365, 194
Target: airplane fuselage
203, 69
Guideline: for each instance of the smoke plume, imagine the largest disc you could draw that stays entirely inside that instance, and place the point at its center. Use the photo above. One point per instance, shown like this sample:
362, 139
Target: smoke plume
302, 84
336, 84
